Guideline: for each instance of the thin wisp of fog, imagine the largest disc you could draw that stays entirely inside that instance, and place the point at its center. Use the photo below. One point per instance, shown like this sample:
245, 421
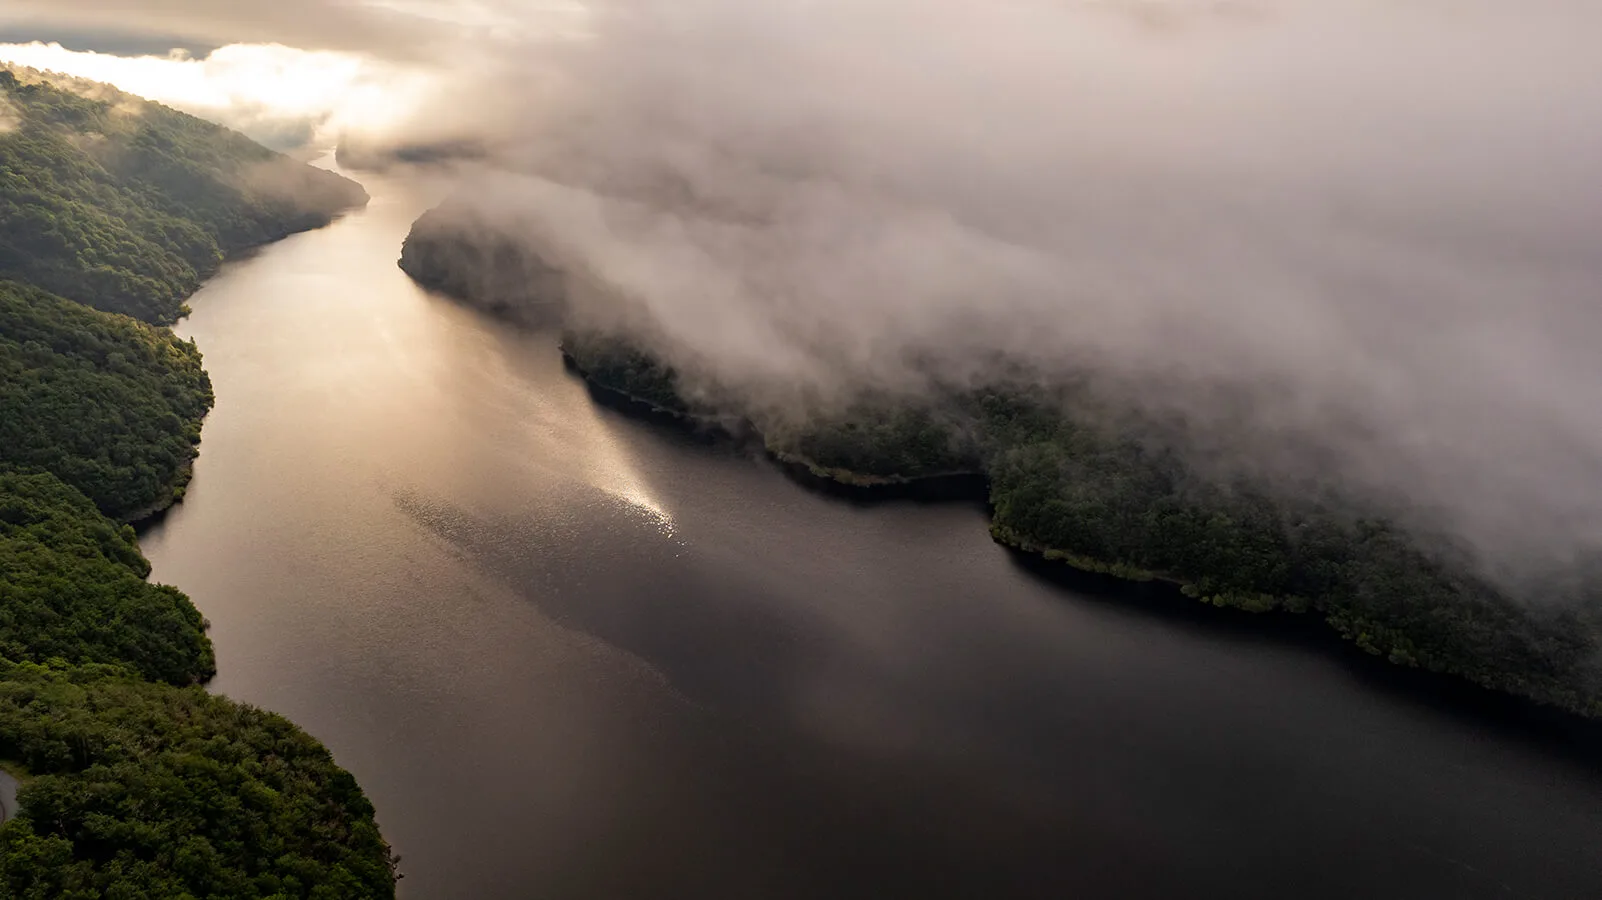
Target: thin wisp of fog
1380, 219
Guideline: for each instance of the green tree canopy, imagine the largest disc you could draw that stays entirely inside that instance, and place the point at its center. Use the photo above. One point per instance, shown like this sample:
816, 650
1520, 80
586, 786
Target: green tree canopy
127, 205
75, 589
145, 791
110, 405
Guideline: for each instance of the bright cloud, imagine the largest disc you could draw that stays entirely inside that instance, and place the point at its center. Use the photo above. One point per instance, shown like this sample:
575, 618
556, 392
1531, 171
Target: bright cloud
283, 96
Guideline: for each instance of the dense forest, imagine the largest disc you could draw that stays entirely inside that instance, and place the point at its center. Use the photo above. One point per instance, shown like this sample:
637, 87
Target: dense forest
75, 589
127, 205
135, 783
111, 405
1072, 483
151, 792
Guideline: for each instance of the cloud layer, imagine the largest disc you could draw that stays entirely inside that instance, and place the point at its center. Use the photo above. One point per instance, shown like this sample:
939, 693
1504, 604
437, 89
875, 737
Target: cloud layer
1373, 214
286, 98
293, 74
1380, 217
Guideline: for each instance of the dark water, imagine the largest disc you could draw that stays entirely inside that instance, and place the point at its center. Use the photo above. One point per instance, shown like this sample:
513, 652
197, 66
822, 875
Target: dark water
573, 655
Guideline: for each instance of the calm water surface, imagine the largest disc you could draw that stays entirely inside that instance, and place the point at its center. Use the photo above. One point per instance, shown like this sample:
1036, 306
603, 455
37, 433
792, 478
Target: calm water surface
573, 655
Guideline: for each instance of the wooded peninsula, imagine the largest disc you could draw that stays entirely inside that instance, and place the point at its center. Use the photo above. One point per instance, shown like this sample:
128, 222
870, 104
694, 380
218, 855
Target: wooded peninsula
1103, 491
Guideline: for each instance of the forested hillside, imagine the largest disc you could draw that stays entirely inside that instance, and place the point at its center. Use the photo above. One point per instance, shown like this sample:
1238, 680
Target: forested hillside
151, 792
75, 589
111, 405
1079, 491
134, 785
1086, 489
127, 205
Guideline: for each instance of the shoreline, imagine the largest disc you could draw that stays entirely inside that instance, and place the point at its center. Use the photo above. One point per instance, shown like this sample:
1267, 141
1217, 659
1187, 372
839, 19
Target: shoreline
110, 445
1344, 637
147, 516
143, 518
1352, 629
940, 487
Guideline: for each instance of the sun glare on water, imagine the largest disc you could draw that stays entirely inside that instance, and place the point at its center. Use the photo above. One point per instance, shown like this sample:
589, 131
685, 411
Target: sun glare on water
650, 510
607, 467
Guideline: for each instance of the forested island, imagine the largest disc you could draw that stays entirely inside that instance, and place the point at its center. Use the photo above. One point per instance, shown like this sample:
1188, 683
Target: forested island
1071, 481
135, 782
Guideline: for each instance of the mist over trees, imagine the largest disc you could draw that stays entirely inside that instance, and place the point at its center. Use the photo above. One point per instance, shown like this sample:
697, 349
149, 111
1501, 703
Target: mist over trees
127, 205
1204, 301
1094, 488
1393, 261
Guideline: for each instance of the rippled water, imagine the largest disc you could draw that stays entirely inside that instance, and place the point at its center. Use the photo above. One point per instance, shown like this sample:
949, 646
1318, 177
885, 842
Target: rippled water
573, 655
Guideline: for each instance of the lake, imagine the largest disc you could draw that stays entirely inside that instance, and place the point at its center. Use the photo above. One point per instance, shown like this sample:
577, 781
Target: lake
571, 654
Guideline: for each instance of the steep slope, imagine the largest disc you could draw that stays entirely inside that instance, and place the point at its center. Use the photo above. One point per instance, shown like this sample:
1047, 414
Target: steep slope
111, 405
144, 790
127, 205
75, 589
